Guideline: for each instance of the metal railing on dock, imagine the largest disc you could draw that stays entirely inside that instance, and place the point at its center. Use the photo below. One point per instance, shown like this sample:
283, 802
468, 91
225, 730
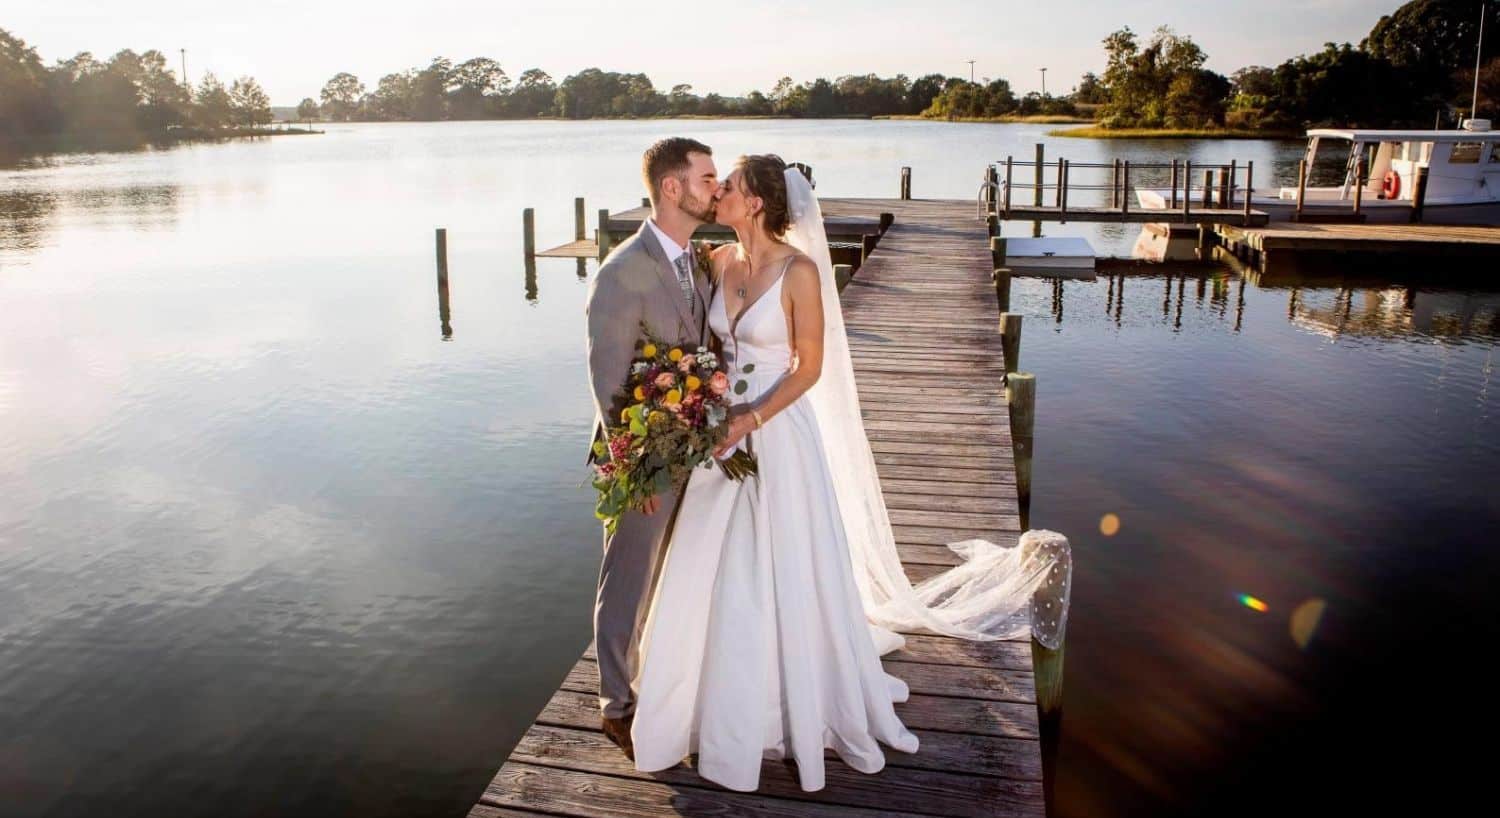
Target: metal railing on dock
1221, 196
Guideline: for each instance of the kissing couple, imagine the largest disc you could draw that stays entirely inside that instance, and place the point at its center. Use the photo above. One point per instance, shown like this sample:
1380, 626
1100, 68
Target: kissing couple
744, 620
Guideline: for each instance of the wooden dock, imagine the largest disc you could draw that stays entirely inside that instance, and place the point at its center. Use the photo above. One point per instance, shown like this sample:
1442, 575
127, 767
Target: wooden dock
948, 474
1287, 247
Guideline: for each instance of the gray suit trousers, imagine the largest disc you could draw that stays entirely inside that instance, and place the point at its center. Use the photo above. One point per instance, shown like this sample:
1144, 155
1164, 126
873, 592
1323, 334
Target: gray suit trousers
632, 559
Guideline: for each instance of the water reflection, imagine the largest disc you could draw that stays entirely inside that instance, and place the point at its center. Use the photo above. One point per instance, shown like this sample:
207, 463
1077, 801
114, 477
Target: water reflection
24, 215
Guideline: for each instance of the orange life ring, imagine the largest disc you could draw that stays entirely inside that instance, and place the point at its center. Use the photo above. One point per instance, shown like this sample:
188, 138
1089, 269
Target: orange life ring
1391, 187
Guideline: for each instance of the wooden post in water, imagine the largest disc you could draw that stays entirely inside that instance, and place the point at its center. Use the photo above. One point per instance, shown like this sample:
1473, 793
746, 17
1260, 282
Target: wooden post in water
1418, 193
1114, 184
442, 256
1359, 183
578, 223
603, 233
1010, 341
1057, 199
841, 275
1125, 188
867, 246
1002, 288
1301, 186
991, 183
1021, 395
1249, 188
1037, 177
528, 233
1173, 203
1208, 189
1223, 189
1227, 201
905, 183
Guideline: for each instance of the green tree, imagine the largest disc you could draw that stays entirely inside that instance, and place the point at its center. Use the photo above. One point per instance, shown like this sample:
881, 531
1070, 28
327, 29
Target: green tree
1433, 41
392, 98
533, 95
307, 110
922, 92
1090, 90
213, 107
341, 96
1161, 84
250, 104
479, 87
429, 90
28, 112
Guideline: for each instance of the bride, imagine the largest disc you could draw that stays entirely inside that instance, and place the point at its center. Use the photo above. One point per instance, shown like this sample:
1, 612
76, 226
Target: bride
778, 594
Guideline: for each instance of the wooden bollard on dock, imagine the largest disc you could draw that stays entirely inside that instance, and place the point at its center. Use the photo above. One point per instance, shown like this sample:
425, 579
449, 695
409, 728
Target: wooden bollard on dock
603, 233
905, 183
1249, 188
578, 223
1002, 288
1173, 202
842, 273
442, 256
1021, 395
1048, 603
528, 232
867, 244
1036, 187
997, 250
1187, 188
1208, 189
1010, 342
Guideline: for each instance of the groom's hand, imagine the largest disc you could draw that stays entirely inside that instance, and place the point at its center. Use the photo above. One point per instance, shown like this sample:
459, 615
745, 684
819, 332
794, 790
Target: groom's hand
652, 505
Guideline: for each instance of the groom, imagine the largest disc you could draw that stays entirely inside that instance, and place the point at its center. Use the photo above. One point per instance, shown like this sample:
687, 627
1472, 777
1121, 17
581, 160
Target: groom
650, 278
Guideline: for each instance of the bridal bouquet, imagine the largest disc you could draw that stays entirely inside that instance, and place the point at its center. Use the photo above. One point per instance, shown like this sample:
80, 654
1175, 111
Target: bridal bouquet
672, 413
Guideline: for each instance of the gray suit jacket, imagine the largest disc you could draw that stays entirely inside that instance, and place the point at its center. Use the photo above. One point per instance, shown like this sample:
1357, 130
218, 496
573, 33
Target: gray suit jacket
636, 284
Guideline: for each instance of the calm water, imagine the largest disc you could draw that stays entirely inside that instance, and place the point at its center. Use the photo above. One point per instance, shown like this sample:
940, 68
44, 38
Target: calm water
271, 544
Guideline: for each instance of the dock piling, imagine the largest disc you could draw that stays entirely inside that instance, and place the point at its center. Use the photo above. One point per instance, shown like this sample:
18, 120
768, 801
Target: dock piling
1208, 189
905, 183
442, 256
1009, 168
1249, 188
1021, 395
1359, 183
578, 220
1002, 288
997, 249
1125, 187
1301, 187
1418, 194
528, 232
1187, 188
1062, 191
603, 233
1173, 204
1226, 201
1010, 342
842, 273
1036, 185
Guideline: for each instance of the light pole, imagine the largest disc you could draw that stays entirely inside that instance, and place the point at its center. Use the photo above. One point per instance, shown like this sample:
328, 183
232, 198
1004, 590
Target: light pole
185, 82
971, 72
1044, 83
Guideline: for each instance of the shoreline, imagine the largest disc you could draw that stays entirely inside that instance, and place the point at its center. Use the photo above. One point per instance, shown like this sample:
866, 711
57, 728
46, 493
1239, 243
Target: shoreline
1096, 132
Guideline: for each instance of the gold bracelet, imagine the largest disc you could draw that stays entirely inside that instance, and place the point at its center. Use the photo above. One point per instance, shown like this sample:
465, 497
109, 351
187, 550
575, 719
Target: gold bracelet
758, 422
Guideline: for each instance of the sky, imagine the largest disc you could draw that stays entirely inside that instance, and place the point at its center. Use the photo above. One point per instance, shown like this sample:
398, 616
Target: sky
292, 48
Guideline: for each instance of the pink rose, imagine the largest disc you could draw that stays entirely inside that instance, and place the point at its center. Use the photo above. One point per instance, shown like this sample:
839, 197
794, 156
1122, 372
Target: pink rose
719, 383
665, 381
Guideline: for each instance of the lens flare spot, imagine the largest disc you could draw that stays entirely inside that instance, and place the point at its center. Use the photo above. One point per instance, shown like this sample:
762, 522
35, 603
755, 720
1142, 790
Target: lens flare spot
1305, 620
1253, 604
1109, 525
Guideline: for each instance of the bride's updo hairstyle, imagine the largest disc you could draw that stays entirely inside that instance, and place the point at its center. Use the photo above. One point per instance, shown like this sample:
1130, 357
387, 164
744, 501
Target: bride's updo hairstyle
764, 176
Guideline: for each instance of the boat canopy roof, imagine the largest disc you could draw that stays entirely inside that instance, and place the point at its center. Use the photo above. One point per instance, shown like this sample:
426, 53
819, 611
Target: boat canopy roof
1405, 136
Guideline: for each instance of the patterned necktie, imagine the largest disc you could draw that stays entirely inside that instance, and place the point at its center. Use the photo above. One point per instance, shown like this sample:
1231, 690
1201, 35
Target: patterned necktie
685, 280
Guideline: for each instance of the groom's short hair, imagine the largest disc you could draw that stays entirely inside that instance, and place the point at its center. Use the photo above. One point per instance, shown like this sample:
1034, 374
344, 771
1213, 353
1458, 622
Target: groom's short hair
666, 158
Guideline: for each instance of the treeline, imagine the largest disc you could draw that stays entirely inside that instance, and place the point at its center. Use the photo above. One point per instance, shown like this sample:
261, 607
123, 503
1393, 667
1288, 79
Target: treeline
480, 89
128, 99
1415, 67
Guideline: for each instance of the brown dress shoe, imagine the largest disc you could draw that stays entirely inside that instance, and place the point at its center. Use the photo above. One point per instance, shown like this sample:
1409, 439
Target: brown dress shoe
618, 731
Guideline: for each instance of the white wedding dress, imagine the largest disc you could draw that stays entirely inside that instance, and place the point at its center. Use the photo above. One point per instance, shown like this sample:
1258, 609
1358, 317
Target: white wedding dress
756, 644
777, 595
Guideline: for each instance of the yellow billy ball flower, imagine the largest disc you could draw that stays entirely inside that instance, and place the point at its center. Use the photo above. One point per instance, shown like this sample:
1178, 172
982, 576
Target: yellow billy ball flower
640, 394
625, 416
674, 396
649, 351
675, 355
693, 383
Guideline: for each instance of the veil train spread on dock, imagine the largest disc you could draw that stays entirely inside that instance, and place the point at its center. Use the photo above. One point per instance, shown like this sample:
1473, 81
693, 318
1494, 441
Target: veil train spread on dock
997, 592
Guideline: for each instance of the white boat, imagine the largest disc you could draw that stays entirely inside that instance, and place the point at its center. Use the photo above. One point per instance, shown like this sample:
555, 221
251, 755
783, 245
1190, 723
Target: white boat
1462, 169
